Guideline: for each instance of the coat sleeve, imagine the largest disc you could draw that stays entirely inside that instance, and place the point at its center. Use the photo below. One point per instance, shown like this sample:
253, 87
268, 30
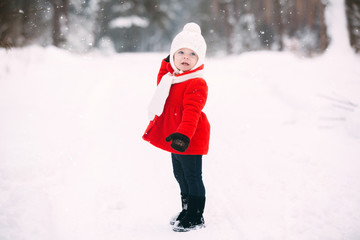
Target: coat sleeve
194, 101
164, 69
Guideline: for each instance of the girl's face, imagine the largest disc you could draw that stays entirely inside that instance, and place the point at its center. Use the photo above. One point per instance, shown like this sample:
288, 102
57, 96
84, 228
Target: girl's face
185, 59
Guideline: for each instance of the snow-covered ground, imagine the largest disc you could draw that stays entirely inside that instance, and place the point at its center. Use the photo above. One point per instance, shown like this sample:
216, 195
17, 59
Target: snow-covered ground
283, 164
284, 159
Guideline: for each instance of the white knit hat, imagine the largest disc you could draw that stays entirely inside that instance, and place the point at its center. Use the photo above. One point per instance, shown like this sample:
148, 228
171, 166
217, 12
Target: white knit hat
191, 38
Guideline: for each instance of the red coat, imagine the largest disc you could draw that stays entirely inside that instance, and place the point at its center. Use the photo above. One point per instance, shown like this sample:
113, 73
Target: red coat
183, 114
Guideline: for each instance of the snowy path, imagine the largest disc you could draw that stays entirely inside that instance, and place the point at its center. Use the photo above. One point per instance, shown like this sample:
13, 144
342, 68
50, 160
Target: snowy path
73, 164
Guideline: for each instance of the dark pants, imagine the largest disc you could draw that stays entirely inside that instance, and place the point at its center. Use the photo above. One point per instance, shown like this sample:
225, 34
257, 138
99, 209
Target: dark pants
188, 173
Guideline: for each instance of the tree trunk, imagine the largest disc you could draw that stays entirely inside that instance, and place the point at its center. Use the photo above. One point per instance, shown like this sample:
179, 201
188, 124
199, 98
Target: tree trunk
323, 28
229, 27
59, 21
11, 23
353, 23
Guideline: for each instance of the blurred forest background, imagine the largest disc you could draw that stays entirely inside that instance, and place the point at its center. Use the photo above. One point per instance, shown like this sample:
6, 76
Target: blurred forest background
229, 26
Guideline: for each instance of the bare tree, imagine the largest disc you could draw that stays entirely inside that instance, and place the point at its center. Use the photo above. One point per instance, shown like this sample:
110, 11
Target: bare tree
11, 23
60, 18
353, 20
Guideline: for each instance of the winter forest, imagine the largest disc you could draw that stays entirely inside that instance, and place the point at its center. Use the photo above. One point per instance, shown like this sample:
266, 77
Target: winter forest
76, 79
230, 26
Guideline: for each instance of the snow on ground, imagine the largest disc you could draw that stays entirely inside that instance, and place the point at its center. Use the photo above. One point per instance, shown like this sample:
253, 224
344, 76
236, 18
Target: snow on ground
283, 163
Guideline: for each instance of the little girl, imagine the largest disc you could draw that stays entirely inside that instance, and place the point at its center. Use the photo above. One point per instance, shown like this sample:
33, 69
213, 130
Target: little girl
178, 124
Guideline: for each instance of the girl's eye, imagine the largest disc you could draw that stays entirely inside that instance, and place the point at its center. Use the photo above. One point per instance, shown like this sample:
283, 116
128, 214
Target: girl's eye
193, 54
181, 52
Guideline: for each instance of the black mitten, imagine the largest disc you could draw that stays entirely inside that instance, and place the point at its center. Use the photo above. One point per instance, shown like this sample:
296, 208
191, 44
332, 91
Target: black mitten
180, 142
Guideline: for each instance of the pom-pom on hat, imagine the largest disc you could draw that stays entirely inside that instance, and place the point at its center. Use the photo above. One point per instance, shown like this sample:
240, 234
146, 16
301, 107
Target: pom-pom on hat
190, 37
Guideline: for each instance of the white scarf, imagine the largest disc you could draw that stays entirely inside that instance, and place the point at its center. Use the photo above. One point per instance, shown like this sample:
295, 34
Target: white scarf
158, 100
